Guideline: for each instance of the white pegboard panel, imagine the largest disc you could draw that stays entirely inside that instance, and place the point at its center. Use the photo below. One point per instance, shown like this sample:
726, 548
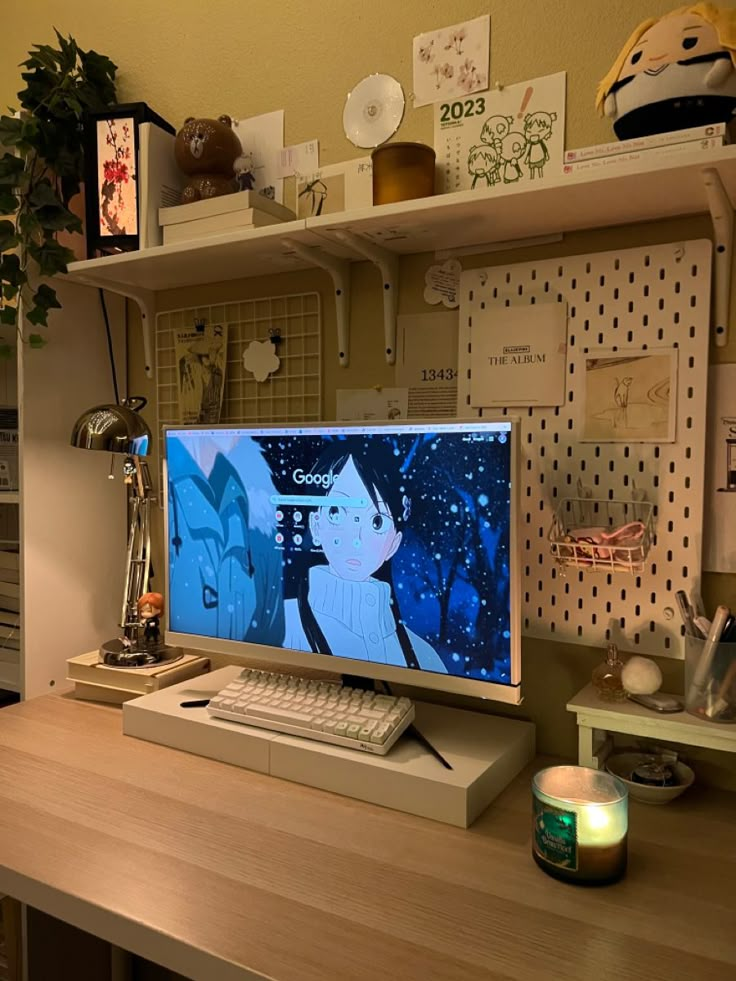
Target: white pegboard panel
293, 393
633, 299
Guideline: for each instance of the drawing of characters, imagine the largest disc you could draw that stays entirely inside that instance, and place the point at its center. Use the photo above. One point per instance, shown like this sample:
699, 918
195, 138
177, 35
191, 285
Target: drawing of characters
347, 604
484, 161
537, 130
494, 130
512, 149
225, 575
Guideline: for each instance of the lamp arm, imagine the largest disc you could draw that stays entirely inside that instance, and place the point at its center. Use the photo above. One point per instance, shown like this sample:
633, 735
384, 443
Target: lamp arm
138, 558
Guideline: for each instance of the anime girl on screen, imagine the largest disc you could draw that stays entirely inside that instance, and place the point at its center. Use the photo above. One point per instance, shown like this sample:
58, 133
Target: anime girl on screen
346, 605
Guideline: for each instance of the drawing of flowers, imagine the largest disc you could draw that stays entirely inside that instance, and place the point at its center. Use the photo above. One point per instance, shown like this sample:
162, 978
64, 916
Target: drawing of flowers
425, 53
441, 72
116, 175
455, 41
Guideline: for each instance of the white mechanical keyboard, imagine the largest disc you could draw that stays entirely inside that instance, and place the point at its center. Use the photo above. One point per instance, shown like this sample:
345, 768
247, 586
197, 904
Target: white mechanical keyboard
314, 709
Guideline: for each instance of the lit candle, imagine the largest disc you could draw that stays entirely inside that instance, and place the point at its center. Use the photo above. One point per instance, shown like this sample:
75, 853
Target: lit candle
580, 823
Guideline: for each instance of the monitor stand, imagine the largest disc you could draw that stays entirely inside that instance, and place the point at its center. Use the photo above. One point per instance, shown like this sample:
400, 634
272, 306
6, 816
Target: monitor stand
486, 752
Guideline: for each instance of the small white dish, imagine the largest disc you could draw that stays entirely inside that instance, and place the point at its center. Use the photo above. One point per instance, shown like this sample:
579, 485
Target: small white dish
622, 764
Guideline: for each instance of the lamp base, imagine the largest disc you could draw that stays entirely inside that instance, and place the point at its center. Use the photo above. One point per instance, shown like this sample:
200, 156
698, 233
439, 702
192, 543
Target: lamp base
119, 655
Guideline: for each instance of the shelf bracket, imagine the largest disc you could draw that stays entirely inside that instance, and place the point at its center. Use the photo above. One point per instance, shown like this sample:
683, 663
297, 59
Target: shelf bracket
388, 265
146, 302
339, 270
721, 212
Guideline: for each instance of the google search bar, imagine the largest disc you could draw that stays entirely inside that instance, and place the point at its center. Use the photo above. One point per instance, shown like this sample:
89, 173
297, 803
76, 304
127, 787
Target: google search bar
319, 500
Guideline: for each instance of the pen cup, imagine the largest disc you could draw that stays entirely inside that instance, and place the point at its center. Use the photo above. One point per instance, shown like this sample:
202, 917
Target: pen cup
710, 681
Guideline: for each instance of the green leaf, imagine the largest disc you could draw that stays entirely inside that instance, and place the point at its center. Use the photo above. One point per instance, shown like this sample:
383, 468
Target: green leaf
11, 168
8, 238
46, 297
6, 351
11, 130
51, 257
36, 341
38, 316
10, 270
8, 316
8, 202
43, 194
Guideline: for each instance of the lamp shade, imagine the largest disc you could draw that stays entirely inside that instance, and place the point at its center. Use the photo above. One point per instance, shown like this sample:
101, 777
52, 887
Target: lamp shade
113, 429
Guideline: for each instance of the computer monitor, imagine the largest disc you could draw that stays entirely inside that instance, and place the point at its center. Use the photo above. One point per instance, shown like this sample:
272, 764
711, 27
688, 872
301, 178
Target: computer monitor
384, 551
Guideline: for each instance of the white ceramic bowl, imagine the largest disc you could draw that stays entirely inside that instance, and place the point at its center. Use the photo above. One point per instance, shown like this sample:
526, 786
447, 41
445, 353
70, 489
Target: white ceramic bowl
621, 765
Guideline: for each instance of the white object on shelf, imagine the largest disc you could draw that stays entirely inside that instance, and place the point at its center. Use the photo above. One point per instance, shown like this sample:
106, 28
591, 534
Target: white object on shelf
596, 718
641, 676
486, 752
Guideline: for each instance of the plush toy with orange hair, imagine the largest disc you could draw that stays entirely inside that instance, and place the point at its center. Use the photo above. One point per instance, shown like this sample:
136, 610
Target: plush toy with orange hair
673, 72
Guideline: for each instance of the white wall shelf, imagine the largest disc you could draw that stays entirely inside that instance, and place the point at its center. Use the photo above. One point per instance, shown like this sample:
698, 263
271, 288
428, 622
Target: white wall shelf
640, 192
9, 497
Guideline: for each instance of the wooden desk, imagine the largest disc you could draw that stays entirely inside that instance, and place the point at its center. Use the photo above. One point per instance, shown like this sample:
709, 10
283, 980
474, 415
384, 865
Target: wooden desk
220, 873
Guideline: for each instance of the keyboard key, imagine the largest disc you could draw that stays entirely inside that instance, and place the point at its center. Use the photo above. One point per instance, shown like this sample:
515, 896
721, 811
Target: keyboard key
288, 716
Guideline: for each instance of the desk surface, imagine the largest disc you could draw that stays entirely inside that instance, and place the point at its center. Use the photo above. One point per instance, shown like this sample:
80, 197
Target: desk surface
220, 873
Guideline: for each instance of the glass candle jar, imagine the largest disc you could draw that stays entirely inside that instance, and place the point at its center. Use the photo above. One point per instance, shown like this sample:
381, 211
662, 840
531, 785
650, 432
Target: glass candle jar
580, 824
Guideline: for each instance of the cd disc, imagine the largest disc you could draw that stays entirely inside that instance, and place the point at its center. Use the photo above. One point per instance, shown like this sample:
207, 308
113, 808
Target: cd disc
373, 110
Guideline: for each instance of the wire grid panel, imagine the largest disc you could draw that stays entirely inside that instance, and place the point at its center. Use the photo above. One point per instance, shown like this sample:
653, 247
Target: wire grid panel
631, 300
292, 394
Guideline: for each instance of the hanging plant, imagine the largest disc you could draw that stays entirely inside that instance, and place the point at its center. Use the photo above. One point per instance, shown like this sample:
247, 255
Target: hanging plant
41, 171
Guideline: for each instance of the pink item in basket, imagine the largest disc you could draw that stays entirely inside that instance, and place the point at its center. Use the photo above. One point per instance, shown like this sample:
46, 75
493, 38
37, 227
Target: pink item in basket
602, 541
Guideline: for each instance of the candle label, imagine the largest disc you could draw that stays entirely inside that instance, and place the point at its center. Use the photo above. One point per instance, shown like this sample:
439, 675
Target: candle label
555, 835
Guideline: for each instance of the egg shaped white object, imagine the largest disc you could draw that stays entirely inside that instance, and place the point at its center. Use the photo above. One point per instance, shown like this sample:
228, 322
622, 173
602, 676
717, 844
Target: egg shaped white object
641, 676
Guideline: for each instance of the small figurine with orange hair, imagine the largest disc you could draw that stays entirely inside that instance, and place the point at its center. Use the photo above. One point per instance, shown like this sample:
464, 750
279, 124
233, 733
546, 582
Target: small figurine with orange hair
150, 609
674, 72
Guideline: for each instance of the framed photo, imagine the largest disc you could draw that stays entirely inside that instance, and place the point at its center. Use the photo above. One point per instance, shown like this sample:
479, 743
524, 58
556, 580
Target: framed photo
630, 396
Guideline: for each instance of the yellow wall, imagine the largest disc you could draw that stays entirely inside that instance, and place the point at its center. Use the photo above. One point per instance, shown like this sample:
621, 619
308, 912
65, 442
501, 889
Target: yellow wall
248, 56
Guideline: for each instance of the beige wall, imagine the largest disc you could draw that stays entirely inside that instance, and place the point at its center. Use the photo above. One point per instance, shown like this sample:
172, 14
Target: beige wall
246, 57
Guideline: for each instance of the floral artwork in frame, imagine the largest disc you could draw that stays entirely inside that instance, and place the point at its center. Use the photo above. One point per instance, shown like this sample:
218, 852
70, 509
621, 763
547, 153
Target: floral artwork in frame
116, 177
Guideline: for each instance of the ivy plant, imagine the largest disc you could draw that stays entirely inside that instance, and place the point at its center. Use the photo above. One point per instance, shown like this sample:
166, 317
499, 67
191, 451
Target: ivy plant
41, 171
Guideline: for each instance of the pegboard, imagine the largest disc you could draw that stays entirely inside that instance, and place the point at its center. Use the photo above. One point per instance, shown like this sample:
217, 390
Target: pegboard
641, 298
293, 393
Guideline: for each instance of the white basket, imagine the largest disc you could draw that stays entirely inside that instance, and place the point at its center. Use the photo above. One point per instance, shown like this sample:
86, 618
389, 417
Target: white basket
576, 516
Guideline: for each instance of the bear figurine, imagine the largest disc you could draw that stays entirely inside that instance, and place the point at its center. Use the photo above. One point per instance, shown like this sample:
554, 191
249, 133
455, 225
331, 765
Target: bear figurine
205, 151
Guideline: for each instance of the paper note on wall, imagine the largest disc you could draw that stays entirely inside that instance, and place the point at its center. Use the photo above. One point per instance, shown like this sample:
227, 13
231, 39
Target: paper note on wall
338, 187
452, 62
201, 360
355, 404
719, 551
518, 356
426, 363
512, 136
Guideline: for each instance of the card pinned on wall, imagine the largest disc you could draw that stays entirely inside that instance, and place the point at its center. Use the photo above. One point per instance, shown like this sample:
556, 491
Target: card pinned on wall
509, 136
442, 284
518, 356
452, 62
346, 186
426, 363
301, 158
355, 404
630, 396
719, 539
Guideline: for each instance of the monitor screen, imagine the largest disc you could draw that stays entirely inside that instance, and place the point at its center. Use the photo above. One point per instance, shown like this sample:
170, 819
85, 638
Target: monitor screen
387, 551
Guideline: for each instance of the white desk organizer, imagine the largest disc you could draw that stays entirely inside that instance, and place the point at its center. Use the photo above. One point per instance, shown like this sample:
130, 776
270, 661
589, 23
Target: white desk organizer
485, 751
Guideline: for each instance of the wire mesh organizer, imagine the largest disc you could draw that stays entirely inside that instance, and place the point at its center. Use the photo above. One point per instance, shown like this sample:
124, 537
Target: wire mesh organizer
292, 394
602, 535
